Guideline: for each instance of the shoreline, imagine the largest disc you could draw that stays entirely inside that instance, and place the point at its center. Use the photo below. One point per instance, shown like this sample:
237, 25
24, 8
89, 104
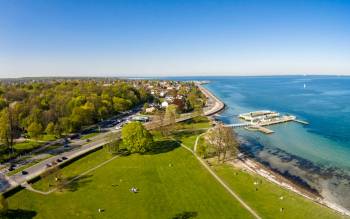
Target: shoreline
263, 171
218, 104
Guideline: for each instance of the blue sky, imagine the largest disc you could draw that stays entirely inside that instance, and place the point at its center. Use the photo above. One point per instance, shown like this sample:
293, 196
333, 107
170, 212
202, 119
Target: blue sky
187, 37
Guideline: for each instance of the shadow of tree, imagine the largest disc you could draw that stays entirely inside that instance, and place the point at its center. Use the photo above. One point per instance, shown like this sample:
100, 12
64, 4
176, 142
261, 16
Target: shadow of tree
163, 146
185, 215
73, 185
19, 214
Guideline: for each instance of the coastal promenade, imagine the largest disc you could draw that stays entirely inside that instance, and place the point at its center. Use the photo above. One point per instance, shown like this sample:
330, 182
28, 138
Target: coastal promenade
214, 104
9, 183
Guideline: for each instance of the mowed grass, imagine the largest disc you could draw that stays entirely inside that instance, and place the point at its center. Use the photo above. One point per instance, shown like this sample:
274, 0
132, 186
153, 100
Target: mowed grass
27, 145
74, 169
90, 135
189, 130
200, 122
187, 138
169, 183
267, 199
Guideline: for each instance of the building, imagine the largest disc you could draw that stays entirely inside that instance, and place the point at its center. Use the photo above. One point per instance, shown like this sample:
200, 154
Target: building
165, 104
140, 118
150, 109
259, 115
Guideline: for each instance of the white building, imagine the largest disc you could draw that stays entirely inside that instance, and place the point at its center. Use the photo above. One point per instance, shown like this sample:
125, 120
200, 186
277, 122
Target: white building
165, 104
150, 109
162, 94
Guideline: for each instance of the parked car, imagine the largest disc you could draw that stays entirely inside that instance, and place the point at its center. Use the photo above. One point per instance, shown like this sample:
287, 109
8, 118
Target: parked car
64, 158
12, 167
24, 172
48, 165
59, 160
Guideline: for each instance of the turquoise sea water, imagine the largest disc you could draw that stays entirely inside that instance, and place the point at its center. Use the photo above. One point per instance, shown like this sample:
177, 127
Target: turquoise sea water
316, 155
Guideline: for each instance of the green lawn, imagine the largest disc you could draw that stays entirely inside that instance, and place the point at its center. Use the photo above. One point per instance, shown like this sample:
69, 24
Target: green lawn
75, 168
195, 123
171, 182
28, 145
25, 146
188, 138
266, 200
90, 135
48, 137
184, 187
189, 130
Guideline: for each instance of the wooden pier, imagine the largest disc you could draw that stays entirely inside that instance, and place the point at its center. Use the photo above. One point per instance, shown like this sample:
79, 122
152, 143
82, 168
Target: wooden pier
301, 121
260, 129
265, 130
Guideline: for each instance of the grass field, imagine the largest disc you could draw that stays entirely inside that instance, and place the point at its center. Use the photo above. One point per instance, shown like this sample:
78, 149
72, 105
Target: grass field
188, 138
20, 148
172, 184
48, 137
90, 135
165, 191
267, 199
27, 145
195, 123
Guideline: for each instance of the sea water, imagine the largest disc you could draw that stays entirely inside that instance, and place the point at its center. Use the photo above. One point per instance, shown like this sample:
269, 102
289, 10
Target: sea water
316, 155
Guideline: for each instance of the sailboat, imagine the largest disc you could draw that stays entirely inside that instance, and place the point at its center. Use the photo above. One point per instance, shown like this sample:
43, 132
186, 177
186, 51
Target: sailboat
304, 86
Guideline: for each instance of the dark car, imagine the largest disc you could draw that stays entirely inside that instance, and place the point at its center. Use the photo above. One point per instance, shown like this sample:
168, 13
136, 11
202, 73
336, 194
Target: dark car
59, 160
24, 172
12, 167
64, 158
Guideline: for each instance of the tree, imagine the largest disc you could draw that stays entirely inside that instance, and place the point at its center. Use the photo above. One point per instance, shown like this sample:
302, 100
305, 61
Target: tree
4, 128
145, 106
113, 146
223, 140
136, 137
202, 148
34, 129
121, 104
7, 129
158, 122
50, 128
3, 205
170, 119
55, 178
3, 103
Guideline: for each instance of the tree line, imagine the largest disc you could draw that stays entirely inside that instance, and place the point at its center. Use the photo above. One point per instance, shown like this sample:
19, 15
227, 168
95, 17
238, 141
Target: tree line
62, 107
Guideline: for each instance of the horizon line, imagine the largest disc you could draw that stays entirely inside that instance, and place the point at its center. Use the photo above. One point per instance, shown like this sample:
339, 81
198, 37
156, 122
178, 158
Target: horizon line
170, 75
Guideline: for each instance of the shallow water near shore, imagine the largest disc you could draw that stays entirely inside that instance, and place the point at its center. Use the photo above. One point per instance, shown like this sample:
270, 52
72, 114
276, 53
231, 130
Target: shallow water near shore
317, 155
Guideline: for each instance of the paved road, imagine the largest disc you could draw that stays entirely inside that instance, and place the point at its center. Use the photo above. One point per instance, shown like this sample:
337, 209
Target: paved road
214, 104
8, 183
